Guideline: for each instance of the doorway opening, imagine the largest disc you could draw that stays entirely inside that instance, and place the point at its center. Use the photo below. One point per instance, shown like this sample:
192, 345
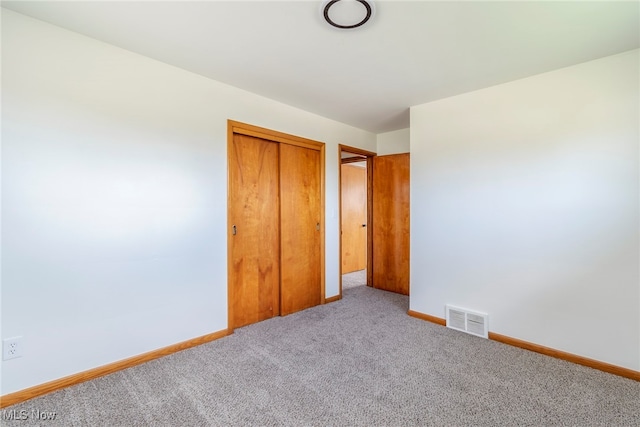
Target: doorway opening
355, 205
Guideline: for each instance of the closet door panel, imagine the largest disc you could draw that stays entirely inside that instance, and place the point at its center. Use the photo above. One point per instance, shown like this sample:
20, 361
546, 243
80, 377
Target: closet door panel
254, 265
300, 209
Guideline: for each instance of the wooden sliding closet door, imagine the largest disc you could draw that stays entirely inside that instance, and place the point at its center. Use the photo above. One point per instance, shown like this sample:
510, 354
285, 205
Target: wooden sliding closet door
300, 234
254, 237
391, 223
276, 215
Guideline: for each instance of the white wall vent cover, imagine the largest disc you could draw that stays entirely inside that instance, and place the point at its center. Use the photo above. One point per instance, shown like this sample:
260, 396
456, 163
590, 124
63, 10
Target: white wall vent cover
471, 322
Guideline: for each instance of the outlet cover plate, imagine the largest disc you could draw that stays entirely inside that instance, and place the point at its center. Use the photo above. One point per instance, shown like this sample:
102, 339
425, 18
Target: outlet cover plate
11, 348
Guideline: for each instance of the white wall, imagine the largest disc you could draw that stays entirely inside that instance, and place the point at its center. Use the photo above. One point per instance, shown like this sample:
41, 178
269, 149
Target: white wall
114, 199
394, 142
525, 205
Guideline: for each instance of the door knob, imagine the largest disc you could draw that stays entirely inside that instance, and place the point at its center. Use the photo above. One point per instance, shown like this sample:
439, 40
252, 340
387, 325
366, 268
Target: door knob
364, 225
234, 230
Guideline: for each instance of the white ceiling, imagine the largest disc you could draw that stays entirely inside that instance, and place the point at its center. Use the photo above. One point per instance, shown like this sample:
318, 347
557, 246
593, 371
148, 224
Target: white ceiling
410, 53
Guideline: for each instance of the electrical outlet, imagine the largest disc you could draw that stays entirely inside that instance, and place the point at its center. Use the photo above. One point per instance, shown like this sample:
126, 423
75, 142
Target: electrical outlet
11, 348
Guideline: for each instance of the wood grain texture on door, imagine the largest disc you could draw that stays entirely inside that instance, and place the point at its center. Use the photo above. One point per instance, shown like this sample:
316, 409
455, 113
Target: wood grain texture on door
254, 206
300, 235
391, 223
353, 181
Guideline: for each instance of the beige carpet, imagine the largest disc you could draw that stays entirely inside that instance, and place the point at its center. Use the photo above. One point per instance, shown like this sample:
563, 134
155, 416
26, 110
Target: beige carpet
360, 361
356, 278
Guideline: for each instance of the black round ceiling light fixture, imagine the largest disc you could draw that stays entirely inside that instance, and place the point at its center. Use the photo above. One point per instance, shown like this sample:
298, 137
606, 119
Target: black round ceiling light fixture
364, 14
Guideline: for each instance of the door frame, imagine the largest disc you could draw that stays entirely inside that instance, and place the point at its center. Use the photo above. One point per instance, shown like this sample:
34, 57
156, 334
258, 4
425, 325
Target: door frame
235, 127
368, 156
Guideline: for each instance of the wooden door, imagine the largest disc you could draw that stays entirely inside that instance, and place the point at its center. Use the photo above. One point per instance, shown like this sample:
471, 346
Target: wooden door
300, 234
391, 223
254, 249
353, 181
